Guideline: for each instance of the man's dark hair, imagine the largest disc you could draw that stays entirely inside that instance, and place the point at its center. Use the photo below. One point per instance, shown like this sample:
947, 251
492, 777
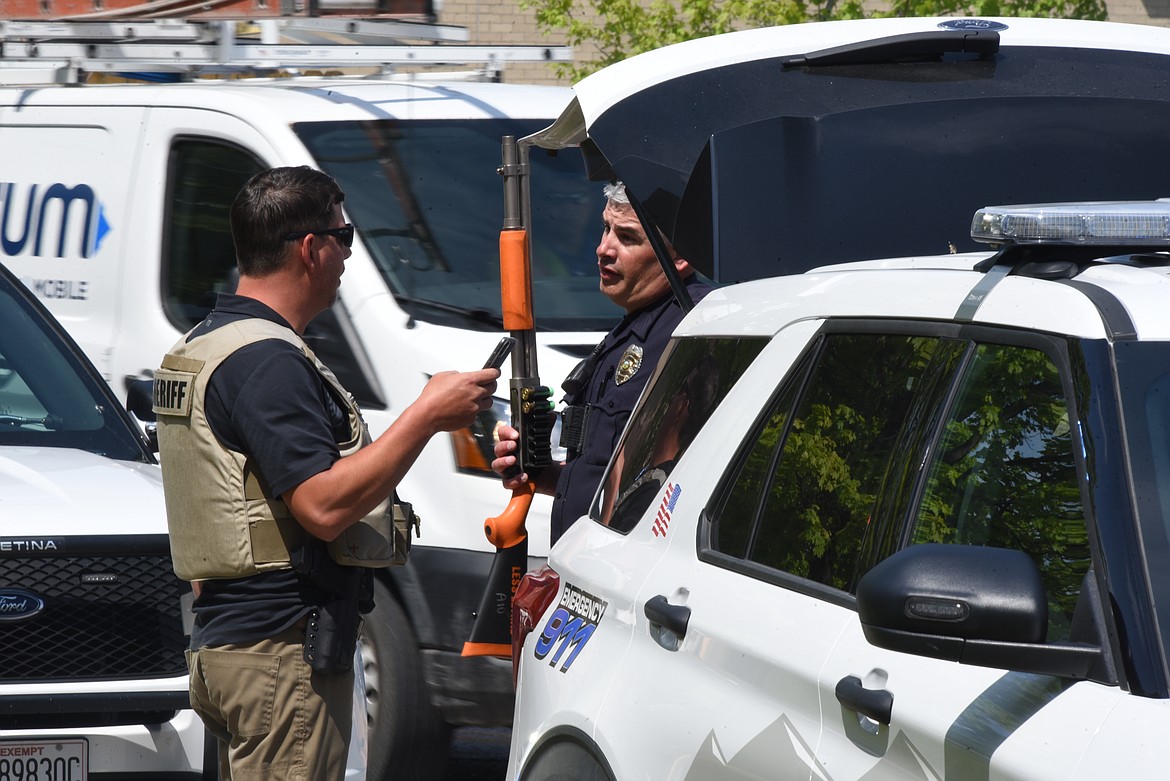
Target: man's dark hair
273, 204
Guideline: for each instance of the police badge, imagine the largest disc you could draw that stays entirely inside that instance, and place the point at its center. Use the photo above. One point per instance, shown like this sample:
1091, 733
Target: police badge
629, 364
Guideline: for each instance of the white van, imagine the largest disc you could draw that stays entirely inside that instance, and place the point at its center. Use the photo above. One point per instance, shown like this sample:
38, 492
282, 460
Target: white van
114, 211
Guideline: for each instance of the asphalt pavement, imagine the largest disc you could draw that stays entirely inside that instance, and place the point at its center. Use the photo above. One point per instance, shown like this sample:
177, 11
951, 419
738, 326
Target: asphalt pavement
478, 754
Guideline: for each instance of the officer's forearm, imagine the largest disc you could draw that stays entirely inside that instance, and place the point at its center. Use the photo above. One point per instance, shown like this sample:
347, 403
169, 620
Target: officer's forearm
329, 502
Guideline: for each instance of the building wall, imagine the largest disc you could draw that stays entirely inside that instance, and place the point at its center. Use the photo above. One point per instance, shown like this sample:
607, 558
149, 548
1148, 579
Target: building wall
503, 21
488, 21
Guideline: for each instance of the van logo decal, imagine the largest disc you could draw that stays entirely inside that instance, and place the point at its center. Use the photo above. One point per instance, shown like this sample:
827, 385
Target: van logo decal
46, 219
17, 604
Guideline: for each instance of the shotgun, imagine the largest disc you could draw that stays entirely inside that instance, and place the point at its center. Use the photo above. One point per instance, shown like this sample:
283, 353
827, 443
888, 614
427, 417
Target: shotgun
531, 407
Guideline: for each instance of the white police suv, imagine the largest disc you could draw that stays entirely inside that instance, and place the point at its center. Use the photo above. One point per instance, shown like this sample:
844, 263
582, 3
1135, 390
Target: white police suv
900, 518
899, 522
92, 617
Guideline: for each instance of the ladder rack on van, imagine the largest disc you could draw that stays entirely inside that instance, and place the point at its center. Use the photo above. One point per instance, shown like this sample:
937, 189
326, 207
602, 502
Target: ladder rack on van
63, 52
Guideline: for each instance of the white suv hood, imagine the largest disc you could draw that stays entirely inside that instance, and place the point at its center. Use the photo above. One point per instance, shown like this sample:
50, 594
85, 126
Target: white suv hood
75, 492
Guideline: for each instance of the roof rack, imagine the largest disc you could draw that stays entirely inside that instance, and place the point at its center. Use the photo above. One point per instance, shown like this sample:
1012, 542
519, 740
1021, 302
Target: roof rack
64, 52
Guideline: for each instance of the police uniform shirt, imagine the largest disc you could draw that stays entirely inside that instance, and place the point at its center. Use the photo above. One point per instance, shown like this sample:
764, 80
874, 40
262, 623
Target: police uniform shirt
613, 389
266, 400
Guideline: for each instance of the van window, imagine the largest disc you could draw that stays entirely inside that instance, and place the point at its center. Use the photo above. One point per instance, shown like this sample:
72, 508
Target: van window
696, 374
199, 260
428, 204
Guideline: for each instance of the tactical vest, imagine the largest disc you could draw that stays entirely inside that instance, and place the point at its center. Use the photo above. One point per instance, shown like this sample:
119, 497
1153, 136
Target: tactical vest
223, 523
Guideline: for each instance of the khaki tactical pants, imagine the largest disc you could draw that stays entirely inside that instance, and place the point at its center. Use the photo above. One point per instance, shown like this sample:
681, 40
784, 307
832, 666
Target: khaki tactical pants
273, 716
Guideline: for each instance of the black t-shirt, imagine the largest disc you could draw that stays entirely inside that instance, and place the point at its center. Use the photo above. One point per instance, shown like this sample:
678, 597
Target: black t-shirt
268, 401
612, 399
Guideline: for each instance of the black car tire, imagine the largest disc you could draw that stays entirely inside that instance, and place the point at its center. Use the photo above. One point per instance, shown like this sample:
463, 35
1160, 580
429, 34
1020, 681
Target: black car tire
408, 738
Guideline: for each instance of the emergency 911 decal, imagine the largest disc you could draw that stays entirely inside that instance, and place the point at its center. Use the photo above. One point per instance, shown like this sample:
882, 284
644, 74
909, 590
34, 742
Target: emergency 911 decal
570, 627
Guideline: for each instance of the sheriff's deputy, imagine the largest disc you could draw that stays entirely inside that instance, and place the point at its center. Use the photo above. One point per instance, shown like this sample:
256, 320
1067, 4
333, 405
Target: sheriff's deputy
277, 500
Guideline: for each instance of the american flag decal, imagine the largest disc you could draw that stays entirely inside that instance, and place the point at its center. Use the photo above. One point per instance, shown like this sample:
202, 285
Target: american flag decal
662, 517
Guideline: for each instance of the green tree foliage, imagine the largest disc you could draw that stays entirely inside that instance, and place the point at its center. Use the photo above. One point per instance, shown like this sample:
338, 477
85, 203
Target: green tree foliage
622, 28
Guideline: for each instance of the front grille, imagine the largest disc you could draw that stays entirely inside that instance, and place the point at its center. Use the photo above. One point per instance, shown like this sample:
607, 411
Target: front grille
104, 617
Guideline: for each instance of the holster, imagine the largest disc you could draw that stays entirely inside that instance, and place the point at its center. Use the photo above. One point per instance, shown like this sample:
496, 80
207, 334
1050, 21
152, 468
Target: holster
332, 631
331, 636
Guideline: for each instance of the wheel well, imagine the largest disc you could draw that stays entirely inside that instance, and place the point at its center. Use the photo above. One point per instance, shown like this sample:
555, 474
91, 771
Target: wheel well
566, 753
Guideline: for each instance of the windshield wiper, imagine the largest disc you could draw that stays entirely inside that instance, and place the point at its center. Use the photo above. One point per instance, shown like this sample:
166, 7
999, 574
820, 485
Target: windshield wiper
900, 48
20, 421
487, 317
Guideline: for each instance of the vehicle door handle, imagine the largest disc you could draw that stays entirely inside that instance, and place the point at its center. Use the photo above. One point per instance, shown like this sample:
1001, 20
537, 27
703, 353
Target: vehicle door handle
668, 616
877, 704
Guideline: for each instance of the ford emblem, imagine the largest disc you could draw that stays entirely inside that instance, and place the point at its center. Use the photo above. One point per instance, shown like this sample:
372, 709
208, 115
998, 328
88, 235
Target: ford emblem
972, 24
17, 604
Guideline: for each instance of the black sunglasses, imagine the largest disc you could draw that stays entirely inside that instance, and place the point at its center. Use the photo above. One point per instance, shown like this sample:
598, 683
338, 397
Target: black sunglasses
344, 234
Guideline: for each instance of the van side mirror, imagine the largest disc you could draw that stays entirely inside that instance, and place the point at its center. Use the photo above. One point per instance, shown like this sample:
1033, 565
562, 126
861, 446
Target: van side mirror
140, 399
969, 604
140, 403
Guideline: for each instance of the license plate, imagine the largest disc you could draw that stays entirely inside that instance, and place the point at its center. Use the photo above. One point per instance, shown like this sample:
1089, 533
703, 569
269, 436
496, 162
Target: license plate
44, 760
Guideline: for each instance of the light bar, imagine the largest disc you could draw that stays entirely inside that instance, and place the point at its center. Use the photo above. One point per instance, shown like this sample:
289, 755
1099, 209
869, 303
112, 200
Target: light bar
1130, 223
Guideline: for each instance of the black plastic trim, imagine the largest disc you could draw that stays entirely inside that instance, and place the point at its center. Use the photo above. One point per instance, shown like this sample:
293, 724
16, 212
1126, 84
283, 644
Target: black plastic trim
36, 546
96, 702
1114, 315
572, 735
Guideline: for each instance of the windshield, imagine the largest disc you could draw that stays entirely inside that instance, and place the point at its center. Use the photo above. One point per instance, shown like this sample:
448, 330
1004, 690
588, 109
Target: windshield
428, 205
48, 397
1143, 372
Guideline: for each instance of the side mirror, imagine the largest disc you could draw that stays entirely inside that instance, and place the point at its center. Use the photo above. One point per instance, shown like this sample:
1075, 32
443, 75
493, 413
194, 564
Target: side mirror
969, 604
140, 399
140, 403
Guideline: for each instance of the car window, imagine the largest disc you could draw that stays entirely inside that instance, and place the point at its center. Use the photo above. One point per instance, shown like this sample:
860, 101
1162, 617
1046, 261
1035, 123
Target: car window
1004, 475
696, 374
966, 442
1143, 380
805, 492
47, 397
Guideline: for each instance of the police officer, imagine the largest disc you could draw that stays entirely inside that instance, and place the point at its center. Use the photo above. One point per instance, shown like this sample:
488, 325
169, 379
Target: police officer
602, 390
277, 500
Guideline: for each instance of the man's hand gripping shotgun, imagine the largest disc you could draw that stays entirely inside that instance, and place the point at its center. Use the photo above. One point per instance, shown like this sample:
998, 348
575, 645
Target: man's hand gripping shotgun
491, 635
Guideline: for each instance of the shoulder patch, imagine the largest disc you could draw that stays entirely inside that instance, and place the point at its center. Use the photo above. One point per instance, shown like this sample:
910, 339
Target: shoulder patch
629, 364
